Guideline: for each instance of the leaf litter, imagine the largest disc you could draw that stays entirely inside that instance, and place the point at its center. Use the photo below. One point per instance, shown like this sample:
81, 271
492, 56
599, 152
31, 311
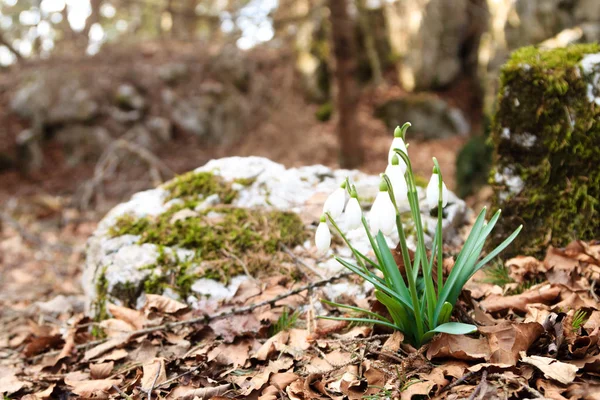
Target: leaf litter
538, 331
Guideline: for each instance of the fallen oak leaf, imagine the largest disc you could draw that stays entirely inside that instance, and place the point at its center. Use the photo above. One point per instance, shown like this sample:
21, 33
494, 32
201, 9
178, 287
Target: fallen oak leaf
551, 368
101, 370
519, 302
508, 339
132, 317
190, 392
459, 347
163, 304
42, 343
105, 347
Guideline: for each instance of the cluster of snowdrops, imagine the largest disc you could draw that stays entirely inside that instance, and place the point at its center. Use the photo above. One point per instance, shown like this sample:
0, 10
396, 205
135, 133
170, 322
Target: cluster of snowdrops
420, 300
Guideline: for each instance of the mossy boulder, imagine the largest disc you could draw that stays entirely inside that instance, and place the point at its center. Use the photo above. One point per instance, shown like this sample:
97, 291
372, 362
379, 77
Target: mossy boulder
201, 235
546, 135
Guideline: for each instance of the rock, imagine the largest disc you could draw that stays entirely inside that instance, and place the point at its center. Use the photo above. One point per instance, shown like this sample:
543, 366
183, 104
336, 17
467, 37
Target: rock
128, 255
160, 128
546, 136
54, 105
433, 39
432, 116
129, 98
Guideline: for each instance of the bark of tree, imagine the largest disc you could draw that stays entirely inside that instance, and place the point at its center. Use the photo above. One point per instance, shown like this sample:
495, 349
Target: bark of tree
369, 42
344, 49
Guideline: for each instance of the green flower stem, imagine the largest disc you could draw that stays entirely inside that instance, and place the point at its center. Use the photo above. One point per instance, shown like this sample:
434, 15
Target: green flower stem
438, 236
416, 212
354, 251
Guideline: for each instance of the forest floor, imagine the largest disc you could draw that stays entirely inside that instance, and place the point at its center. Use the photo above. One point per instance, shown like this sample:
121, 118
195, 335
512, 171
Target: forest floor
539, 319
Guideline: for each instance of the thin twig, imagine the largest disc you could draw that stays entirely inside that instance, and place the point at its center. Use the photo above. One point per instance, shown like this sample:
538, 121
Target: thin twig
240, 261
125, 395
480, 386
154, 382
459, 381
208, 318
173, 379
299, 261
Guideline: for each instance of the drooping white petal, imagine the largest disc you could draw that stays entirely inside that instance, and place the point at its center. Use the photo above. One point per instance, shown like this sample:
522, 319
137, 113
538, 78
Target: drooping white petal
335, 203
397, 143
383, 214
353, 214
323, 237
433, 192
398, 181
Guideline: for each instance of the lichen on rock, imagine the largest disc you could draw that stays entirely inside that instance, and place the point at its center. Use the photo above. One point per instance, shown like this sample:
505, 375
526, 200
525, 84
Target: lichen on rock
546, 134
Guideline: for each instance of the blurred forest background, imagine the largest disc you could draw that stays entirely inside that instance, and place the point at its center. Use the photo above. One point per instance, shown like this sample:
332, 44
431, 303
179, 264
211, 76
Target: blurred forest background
102, 98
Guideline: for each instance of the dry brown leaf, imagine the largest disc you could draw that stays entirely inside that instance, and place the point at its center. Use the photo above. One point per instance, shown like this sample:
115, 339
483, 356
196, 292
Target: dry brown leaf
116, 327
524, 268
508, 339
459, 347
135, 318
9, 383
552, 369
42, 343
237, 325
236, 354
163, 304
189, 392
153, 374
282, 380
115, 355
261, 378
273, 344
519, 302
102, 370
45, 394
92, 388
106, 346
393, 343
299, 340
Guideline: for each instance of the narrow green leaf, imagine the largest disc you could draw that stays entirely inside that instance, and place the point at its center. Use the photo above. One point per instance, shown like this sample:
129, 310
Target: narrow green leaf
498, 249
445, 313
361, 320
391, 270
357, 309
396, 310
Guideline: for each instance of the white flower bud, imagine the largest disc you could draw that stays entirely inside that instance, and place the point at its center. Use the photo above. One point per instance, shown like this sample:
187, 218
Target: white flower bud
353, 214
398, 143
398, 181
383, 214
433, 192
323, 237
334, 204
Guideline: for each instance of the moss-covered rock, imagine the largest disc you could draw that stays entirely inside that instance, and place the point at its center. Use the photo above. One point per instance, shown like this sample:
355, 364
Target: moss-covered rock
546, 134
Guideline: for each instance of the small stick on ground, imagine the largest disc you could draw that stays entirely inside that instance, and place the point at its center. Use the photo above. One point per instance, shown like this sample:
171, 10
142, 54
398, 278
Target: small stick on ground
154, 382
301, 262
479, 387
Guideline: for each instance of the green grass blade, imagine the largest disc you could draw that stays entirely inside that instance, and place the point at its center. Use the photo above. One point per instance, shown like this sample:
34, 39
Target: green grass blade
361, 320
357, 309
498, 249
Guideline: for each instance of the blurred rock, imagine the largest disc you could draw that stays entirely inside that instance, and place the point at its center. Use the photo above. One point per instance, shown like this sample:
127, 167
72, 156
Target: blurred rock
173, 73
431, 116
160, 127
129, 98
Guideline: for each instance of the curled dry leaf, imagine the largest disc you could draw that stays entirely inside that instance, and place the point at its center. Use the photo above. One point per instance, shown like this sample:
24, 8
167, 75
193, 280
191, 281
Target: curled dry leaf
134, 318
544, 294
106, 346
236, 354
508, 339
459, 347
552, 369
524, 268
42, 343
102, 370
274, 344
163, 304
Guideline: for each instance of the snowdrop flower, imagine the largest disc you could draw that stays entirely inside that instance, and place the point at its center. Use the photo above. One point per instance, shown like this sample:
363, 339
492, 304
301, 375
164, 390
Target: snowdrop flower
323, 236
433, 191
334, 205
395, 172
353, 212
398, 143
383, 213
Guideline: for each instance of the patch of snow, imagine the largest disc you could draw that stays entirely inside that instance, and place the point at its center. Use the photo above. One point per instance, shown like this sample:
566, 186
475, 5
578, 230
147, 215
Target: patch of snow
590, 65
215, 290
526, 140
505, 133
516, 102
513, 182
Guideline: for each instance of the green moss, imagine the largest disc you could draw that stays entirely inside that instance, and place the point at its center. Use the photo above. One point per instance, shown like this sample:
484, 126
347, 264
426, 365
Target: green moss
227, 242
245, 181
199, 185
324, 112
543, 93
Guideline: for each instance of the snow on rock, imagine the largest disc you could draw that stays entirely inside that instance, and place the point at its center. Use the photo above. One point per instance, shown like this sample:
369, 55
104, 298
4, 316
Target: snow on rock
125, 264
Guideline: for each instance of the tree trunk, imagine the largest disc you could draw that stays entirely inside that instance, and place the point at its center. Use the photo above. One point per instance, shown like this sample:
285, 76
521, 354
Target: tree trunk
349, 134
370, 48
